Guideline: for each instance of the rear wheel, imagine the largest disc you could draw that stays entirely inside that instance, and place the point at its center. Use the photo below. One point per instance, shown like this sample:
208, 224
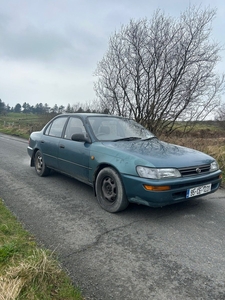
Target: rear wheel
110, 192
39, 164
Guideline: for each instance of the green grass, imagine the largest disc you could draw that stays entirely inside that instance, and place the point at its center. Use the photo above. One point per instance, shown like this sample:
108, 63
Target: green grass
20, 124
27, 271
200, 129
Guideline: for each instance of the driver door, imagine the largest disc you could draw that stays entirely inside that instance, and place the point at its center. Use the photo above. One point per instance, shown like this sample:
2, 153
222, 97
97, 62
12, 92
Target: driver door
73, 156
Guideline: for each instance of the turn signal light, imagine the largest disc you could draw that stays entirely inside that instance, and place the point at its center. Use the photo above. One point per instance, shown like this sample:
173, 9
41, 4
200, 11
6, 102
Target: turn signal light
156, 188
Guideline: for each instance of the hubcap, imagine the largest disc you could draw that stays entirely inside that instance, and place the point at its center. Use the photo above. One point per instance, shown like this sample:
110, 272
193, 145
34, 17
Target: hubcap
109, 189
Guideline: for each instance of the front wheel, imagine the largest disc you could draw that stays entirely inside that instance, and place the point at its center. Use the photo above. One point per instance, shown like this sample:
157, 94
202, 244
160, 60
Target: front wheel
110, 192
39, 164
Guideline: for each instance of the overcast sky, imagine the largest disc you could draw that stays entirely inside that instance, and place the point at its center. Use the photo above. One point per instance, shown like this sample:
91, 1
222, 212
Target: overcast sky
49, 49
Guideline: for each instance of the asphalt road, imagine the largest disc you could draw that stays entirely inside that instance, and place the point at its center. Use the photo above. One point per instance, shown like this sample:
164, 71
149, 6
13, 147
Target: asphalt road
175, 252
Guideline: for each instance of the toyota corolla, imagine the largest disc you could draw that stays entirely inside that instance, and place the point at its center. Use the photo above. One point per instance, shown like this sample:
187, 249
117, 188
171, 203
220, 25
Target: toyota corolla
122, 161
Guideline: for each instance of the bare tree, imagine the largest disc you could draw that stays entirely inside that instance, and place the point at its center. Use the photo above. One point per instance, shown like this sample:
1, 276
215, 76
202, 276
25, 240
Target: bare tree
162, 70
86, 107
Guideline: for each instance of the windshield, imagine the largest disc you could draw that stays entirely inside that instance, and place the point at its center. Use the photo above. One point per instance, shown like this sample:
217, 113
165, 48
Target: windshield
116, 129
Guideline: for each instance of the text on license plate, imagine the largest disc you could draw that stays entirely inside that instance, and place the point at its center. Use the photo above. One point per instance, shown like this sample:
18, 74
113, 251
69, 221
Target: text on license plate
199, 190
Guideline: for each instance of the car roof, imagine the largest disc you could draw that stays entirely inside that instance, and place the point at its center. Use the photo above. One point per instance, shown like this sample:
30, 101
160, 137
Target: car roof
84, 115
87, 114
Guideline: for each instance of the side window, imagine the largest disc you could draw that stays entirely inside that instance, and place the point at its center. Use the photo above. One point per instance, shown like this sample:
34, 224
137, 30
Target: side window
56, 127
75, 125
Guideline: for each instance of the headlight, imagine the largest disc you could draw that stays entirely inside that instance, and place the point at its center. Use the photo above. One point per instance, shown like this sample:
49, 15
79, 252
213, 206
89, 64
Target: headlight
214, 166
154, 173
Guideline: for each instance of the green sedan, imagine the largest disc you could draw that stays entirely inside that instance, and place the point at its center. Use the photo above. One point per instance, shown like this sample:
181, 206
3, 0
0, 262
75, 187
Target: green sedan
122, 161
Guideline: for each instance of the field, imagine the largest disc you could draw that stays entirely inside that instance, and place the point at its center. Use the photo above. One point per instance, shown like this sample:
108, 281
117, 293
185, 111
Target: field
22, 125
207, 136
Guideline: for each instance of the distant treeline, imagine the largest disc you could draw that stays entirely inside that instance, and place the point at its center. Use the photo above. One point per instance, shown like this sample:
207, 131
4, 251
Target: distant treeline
41, 108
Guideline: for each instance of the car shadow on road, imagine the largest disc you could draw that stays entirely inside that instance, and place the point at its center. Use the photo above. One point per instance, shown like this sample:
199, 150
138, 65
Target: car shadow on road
72, 188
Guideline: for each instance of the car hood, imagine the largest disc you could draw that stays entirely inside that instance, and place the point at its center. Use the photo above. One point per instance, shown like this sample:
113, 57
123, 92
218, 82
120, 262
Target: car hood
161, 154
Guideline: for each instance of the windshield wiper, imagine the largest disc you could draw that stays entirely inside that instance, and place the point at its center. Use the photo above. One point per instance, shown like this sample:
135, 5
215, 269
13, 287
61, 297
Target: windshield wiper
131, 138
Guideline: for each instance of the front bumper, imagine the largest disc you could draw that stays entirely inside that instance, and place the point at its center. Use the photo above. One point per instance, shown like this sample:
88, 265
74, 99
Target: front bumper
136, 193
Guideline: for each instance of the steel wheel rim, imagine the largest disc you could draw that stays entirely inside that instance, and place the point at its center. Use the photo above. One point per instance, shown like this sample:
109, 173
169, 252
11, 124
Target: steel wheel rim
39, 163
109, 189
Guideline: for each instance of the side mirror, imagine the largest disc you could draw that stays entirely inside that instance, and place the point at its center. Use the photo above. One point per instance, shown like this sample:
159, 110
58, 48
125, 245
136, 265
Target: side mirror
79, 137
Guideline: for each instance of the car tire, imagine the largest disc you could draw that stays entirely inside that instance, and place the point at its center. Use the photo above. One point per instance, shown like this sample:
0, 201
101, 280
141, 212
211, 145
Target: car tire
110, 192
40, 166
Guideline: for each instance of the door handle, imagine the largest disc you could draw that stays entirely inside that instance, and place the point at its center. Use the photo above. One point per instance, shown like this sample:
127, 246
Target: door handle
61, 146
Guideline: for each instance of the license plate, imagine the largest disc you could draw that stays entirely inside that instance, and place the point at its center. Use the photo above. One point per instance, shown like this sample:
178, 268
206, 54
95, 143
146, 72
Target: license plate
199, 190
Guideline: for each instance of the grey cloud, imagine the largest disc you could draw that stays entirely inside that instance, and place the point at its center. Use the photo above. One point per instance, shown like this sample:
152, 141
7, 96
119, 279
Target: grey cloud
31, 43
74, 46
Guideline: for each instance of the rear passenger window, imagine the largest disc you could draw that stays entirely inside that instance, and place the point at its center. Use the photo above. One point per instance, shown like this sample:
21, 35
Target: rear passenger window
56, 127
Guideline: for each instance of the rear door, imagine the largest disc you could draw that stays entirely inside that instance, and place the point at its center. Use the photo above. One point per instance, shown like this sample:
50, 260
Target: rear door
50, 141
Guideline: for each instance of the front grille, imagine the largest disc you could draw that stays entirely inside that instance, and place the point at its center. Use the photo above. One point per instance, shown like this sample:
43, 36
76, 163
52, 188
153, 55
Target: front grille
197, 170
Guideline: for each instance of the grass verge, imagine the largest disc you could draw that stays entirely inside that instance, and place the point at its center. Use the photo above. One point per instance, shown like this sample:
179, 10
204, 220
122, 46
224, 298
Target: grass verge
27, 271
